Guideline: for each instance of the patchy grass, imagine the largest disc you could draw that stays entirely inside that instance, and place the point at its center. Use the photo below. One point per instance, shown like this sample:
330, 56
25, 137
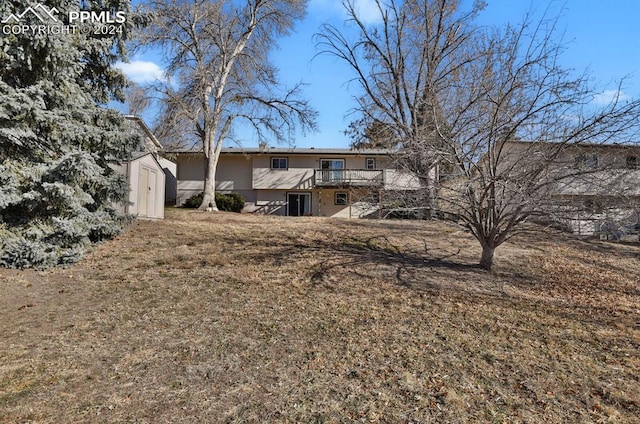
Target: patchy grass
236, 318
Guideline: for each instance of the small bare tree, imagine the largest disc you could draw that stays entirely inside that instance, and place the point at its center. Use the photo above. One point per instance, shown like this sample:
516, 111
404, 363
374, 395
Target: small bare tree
462, 96
219, 71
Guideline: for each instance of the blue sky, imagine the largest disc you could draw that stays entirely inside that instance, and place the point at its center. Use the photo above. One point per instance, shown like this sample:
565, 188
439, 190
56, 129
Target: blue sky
603, 36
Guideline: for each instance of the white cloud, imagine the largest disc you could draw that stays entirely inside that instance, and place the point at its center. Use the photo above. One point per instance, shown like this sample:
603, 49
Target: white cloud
609, 96
141, 72
367, 10
330, 6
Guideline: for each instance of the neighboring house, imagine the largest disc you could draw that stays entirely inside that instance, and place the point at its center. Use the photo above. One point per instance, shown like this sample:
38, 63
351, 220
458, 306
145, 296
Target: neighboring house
145, 172
298, 182
599, 187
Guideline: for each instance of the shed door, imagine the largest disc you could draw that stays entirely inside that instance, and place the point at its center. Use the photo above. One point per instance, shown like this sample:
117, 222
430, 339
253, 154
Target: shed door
147, 192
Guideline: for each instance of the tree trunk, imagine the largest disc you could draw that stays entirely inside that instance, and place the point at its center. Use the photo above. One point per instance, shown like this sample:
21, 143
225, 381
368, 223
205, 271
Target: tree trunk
209, 198
486, 260
430, 200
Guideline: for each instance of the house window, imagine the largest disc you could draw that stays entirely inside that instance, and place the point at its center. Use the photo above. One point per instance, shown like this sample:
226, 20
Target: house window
587, 161
332, 171
371, 163
341, 198
279, 163
633, 162
331, 163
593, 206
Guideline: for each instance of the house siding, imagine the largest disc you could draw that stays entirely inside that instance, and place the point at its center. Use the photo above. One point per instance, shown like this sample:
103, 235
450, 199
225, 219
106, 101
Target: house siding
298, 176
233, 175
170, 172
353, 209
266, 190
400, 180
611, 183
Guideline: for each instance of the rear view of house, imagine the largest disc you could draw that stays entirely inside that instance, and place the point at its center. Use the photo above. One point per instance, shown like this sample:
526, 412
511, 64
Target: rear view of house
298, 182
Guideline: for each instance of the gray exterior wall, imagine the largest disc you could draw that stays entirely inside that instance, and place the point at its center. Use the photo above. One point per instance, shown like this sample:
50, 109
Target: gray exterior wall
233, 175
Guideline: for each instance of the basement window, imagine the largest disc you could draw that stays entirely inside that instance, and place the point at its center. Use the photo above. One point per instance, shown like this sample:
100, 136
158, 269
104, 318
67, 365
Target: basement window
633, 162
341, 198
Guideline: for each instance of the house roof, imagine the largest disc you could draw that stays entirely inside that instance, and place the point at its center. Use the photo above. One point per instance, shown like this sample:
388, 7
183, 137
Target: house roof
614, 145
145, 129
291, 151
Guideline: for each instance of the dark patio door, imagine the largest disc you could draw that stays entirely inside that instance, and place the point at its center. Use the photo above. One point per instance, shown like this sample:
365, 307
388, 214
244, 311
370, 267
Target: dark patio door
298, 204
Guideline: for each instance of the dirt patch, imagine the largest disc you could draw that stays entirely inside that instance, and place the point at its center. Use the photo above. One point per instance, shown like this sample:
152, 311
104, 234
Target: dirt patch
239, 318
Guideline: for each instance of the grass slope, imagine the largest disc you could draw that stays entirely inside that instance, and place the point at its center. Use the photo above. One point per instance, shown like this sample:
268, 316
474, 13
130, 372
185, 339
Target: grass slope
236, 318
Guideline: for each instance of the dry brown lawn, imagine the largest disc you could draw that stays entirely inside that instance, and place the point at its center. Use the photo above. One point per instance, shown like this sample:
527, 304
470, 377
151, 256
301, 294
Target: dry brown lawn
238, 318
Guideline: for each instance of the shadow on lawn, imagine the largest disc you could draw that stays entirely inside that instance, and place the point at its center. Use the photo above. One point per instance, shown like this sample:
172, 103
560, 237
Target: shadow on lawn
324, 262
410, 267
360, 255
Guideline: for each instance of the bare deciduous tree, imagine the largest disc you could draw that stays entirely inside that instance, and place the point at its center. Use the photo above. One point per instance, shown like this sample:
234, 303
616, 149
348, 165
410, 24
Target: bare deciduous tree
462, 96
366, 133
219, 71
399, 66
137, 98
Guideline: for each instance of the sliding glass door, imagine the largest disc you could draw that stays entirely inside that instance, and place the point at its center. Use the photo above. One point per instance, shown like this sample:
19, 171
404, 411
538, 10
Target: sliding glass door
299, 204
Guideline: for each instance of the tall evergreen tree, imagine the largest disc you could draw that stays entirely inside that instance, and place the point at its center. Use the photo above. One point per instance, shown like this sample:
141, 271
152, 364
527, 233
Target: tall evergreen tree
57, 140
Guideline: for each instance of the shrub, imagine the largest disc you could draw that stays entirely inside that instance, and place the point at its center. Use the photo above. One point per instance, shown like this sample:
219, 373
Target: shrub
194, 201
232, 202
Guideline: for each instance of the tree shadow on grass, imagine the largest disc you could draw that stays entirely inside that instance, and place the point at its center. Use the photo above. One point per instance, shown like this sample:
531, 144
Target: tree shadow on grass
324, 259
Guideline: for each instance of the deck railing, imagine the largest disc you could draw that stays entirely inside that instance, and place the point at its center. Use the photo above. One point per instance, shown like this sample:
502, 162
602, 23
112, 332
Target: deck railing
348, 177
